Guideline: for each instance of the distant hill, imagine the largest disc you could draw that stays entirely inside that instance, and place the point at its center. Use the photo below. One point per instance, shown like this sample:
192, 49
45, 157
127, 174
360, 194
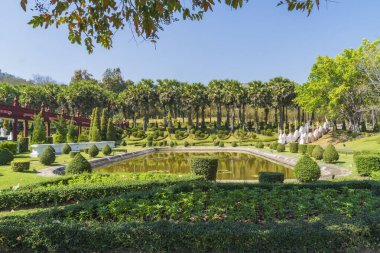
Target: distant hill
8, 78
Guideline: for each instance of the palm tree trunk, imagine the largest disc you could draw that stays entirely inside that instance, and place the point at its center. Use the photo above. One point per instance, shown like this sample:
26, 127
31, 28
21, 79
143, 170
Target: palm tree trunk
266, 114
228, 116
196, 117
189, 119
203, 123
233, 119
219, 115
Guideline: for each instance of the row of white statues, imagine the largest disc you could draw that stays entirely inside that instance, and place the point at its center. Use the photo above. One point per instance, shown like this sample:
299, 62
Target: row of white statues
303, 135
3, 134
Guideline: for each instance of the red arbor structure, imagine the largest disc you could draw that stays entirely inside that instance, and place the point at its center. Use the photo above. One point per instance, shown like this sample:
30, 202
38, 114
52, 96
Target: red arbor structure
26, 114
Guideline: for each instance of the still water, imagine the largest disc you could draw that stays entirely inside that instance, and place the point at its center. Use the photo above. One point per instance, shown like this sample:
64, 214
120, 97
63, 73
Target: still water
232, 166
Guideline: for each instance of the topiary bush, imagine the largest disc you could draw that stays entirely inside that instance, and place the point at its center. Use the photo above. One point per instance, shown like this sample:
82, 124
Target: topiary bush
330, 155
20, 166
23, 144
307, 170
186, 144
6, 156
302, 149
48, 156
367, 164
280, 147
204, 166
10, 145
271, 177
293, 147
107, 150
234, 144
93, 151
74, 153
274, 145
310, 149
259, 144
318, 152
66, 149
78, 165
221, 144
123, 143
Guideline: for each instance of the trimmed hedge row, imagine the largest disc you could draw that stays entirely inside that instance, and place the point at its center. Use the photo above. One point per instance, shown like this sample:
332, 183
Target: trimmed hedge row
366, 164
20, 166
327, 235
271, 177
204, 166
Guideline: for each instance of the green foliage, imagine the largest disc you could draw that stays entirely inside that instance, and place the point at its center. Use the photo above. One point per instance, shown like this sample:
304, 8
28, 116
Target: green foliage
274, 145
363, 127
186, 144
20, 166
95, 134
74, 153
93, 151
302, 149
203, 166
48, 156
293, 147
259, 144
60, 135
23, 144
307, 170
78, 165
6, 156
318, 152
83, 136
111, 131
66, 149
71, 133
310, 149
280, 147
49, 140
123, 143
367, 164
330, 154
172, 144
271, 177
11, 146
221, 144
234, 144
106, 150
39, 130
103, 125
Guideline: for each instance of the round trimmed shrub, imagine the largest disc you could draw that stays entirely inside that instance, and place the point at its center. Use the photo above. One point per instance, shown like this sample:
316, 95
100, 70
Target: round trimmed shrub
204, 166
271, 177
221, 144
259, 144
307, 170
123, 143
310, 149
172, 144
234, 144
66, 149
318, 152
74, 153
186, 144
293, 147
274, 145
302, 149
20, 166
143, 145
107, 150
6, 156
78, 165
280, 147
48, 156
330, 154
367, 164
93, 151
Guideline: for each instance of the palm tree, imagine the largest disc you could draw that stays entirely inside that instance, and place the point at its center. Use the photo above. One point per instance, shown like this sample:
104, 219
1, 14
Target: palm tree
215, 95
147, 98
168, 93
232, 91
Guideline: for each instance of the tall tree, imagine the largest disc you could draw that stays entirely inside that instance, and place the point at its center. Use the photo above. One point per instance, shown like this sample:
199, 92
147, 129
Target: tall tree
113, 80
215, 95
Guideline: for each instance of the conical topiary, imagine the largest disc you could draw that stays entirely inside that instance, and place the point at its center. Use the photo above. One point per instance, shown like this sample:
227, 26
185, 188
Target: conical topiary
48, 156
307, 170
330, 154
6, 156
78, 165
317, 152
66, 149
106, 150
93, 151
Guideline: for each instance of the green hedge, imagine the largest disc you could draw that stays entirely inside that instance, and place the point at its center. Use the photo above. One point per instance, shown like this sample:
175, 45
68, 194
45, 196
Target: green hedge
329, 234
204, 166
293, 147
366, 164
271, 177
310, 149
23, 144
11, 146
20, 166
280, 147
6, 156
302, 149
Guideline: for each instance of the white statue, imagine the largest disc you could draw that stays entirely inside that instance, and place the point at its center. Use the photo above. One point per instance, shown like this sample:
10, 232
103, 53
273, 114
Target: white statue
303, 138
10, 137
316, 134
289, 138
3, 133
310, 137
282, 138
325, 127
296, 135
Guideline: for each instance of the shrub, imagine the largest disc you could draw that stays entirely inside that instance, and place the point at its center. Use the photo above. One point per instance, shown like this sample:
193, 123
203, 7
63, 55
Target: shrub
366, 164
234, 144
60, 135
74, 153
39, 130
48, 156
123, 143
172, 144
302, 149
204, 166
111, 134
66, 149
143, 145
318, 152
58, 138
271, 177
49, 139
71, 133
363, 127
216, 143
11, 146
107, 150
221, 144
6, 156
268, 132
259, 144
186, 144
51, 148
310, 149
93, 151
20, 166
274, 145
83, 137
330, 154
280, 147
78, 165
293, 147
23, 144
307, 170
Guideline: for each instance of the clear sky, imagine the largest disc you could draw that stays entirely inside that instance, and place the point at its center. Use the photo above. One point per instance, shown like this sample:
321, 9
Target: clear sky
257, 42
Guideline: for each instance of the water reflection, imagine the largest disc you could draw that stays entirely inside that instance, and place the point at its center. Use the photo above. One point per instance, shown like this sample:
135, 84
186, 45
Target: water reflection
232, 166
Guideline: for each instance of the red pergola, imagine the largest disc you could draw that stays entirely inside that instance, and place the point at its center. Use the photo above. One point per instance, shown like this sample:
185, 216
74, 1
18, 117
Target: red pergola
26, 114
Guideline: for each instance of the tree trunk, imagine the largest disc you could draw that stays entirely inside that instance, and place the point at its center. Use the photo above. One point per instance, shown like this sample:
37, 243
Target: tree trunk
275, 116
257, 120
243, 116
196, 117
266, 115
219, 115
203, 123
189, 119
282, 118
299, 115
233, 119
228, 116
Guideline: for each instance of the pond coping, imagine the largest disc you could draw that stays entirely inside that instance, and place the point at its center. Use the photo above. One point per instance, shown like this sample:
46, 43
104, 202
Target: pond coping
327, 170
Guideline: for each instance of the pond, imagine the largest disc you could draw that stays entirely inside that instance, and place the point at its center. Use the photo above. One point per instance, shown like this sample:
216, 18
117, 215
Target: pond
232, 166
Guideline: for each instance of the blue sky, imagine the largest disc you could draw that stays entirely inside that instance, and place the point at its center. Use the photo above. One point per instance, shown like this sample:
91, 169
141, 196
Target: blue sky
257, 42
